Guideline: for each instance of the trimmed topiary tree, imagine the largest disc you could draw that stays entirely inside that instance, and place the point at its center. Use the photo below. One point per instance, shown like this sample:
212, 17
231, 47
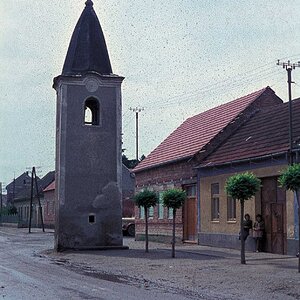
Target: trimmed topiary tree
242, 187
174, 199
290, 180
146, 199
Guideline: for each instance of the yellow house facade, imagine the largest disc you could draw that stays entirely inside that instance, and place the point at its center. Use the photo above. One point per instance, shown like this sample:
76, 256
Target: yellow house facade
220, 215
260, 146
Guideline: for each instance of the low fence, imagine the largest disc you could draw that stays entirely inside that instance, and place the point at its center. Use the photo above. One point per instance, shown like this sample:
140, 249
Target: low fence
9, 218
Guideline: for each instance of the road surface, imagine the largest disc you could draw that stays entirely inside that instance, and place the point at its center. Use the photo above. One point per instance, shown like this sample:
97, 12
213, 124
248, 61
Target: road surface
25, 273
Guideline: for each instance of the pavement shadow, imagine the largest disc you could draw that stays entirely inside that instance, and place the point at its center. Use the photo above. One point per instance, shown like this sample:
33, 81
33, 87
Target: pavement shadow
153, 254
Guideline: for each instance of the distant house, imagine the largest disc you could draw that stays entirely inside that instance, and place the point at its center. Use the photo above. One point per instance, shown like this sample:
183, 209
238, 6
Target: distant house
49, 205
174, 162
4, 200
261, 146
128, 185
21, 199
16, 186
128, 188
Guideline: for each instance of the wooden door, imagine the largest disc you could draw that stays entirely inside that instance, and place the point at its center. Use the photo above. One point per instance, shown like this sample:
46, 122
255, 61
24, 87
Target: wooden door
273, 210
190, 219
277, 235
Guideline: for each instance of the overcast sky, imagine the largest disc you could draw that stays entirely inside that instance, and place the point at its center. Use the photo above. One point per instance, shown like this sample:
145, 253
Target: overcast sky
178, 57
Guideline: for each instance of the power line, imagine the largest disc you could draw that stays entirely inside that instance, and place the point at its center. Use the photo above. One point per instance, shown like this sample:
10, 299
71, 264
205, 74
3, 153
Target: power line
252, 76
128, 122
229, 87
244, 78
289, 66
223, 82
219, 85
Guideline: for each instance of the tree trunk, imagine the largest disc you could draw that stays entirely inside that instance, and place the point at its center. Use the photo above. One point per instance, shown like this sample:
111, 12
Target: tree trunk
243, 259
173, 239
146, 229
298, 236
297, 197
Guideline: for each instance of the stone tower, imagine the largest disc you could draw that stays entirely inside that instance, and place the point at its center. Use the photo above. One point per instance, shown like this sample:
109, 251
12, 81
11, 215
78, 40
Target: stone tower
88, 142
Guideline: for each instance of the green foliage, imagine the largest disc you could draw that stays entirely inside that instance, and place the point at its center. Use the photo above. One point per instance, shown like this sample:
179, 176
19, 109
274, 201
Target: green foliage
129, 163
290, 178
174, 198
146, 199
13, 210
9, 210
242, 186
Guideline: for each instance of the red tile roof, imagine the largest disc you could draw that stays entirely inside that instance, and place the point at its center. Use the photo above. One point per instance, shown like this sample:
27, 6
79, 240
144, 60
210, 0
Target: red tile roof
194, 133
50, 187
267, 132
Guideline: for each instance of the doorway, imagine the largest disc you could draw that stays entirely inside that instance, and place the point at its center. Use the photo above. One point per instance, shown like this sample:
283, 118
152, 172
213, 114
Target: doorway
273, 210
190, 215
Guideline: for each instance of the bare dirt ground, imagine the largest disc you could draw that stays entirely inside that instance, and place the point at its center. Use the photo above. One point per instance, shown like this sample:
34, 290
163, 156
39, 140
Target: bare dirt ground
197, 272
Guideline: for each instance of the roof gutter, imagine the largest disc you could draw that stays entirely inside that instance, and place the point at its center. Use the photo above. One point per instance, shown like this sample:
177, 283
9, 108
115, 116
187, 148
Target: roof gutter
244, 160
162, 164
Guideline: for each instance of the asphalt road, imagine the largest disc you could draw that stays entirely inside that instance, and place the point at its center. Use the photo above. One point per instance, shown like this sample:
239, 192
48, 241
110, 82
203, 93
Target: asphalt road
30, 269
25, 273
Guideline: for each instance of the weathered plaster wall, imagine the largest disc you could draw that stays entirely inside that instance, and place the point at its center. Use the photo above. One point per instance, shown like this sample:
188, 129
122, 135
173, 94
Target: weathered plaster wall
88, 164
49, 203
251, 206
223, 227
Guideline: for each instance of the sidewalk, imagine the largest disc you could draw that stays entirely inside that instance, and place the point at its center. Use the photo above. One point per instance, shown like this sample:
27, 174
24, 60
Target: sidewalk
199, 272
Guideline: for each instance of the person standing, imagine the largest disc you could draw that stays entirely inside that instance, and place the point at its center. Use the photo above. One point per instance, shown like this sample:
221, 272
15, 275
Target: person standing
258, 232
247, 224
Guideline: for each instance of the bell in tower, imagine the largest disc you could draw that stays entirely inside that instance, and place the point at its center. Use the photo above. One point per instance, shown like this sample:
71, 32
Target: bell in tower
88, 143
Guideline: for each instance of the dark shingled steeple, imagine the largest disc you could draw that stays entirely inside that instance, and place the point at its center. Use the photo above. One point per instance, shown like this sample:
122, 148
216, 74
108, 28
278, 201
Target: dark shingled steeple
87, 50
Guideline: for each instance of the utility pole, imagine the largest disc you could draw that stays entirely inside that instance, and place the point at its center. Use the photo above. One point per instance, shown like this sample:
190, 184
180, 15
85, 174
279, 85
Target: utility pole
14, 190
137, 110
289, 67
34, 180
1, 199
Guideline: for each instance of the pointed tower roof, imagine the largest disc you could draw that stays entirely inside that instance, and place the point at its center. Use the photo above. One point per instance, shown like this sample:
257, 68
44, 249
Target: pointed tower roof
87, 50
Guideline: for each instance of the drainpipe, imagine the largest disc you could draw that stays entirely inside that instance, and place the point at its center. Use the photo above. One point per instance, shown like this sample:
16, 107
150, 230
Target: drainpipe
198, 206
296, 208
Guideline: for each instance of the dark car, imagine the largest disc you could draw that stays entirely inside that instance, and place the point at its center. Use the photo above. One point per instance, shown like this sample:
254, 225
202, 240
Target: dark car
128, 226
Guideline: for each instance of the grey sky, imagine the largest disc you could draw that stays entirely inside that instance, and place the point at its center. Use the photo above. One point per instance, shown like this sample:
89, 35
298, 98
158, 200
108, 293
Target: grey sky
179, 58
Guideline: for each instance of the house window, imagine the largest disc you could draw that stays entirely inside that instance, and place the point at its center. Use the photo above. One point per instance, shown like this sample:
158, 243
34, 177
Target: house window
190, 191
170, 213
92, 218
51, 207
231, 209
142, 213
160, 206
91, 112
151, 212
215, 205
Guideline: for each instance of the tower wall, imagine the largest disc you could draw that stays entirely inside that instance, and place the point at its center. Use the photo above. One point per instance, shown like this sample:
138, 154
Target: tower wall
88, 163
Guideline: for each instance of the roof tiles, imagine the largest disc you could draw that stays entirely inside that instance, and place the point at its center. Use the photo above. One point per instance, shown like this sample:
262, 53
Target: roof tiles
50, 187
194, 133
267, 132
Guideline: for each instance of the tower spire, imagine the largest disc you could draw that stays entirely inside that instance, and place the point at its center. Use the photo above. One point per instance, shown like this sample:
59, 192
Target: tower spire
89, 3
87, 50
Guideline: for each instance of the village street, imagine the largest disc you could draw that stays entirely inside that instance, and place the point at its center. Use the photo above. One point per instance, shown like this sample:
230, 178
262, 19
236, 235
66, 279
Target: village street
26, 273
30, 270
